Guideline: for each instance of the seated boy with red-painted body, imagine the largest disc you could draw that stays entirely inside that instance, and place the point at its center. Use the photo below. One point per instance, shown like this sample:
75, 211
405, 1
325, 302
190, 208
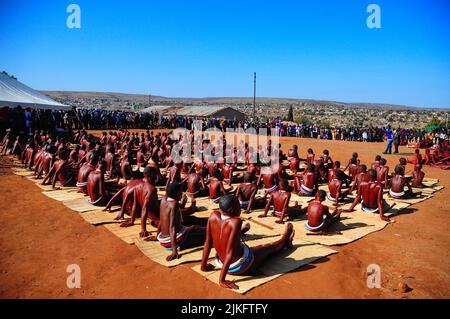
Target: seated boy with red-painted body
112, 166
359, 178
156, 176
305, 184
398, 184
335, 192
29, 155
81, 154
126, 171
37, 159
73, 157
45, 162
327, 161
174, 173
310, 156
429, 158
416, 159
376, 162
196, 185
292, 152
228, 176
383, 173
418, 176
172, 233
89, 152
280, 201
145, 204
61, 171
233, 256
352, 161
371, 193
6, 142
294, 164
141, 160
246, 194
354, 168
216, 188
320, 170
337, 167
17, 148
253, 169
210, 164
269, 178
127, 194
319, 217
294, 159
84, 172
99, 192
402, 161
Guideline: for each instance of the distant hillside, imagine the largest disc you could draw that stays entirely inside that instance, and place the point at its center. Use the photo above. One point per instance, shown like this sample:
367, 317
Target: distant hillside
142, 99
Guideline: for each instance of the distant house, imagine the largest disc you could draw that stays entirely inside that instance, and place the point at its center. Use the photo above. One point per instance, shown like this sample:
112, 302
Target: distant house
221, 112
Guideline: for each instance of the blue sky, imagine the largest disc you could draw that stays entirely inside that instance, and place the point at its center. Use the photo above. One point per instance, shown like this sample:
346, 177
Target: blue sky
299, 49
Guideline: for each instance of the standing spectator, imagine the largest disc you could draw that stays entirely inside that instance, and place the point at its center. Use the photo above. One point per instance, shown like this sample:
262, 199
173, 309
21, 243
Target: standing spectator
396, 138
389, 139
364, 136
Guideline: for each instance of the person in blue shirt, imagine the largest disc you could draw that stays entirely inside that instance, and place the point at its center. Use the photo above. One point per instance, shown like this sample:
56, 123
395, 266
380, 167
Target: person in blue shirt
389, 139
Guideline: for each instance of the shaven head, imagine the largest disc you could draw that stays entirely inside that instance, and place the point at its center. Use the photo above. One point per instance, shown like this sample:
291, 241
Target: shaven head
339, 175
399, 170
311, 168
216, 173
377, 158
402, 161
63, 153
249, 177
383, 161
174, 191
148, 171
337, 164
320, 195
372, 174
94, 159
102, 166
364, 168
229, 205
284, 184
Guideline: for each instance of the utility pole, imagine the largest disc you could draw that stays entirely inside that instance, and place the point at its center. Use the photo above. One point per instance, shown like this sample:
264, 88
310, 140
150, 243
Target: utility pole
254, 96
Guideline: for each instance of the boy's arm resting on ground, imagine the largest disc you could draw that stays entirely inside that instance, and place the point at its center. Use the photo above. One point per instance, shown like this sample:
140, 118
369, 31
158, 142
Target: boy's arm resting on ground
205, 266
228, 258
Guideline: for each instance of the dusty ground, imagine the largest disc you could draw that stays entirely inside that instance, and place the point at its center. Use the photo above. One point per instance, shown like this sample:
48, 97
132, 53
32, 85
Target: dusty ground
40, 237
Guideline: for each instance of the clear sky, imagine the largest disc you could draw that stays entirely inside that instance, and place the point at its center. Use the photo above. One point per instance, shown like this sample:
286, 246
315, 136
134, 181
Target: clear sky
300, 49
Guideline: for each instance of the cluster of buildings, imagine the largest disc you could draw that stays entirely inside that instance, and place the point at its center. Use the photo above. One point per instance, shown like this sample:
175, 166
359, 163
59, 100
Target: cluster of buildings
320, 113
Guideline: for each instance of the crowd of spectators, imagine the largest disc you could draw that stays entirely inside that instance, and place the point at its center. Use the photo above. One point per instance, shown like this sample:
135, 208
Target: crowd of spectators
29, 120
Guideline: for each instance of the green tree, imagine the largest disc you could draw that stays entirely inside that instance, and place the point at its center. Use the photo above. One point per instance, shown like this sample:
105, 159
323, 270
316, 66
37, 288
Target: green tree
302, 119
434, 121
290, 116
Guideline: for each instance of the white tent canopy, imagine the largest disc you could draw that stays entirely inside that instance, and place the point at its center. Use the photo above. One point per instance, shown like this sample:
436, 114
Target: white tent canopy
13, 93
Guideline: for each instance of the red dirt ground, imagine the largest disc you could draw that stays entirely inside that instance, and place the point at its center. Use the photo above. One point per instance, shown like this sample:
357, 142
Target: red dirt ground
40, 237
